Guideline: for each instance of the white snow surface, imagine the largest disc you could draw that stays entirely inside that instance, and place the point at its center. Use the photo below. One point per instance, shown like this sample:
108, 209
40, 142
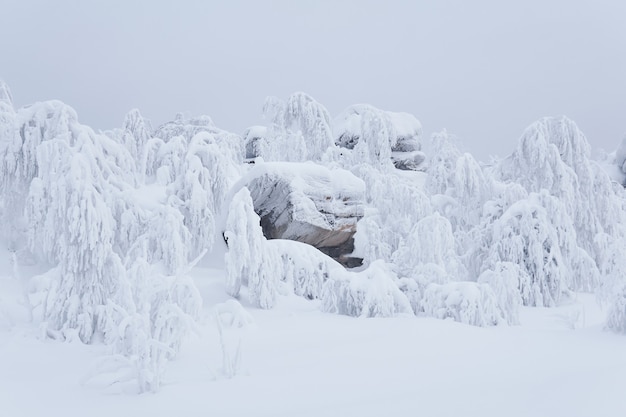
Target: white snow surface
298, 361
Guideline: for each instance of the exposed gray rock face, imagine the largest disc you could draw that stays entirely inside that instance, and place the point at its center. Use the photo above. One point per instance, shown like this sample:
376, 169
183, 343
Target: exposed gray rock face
309, 203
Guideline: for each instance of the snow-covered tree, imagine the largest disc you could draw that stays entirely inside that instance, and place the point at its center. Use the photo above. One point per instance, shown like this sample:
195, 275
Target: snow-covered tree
430, 242
441, 164
302, 267
616, 318
525, 236
370, 293
248, 261
297, 130
137, 133
305, 116
465, 302
71, 225
395, 205
505, 281
553, 154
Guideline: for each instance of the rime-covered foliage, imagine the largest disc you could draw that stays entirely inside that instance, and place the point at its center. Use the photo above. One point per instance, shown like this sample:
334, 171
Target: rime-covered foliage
298, 129
553, 154
504, 279
232, 320
71, 226
616, 319
429, 243
303, 268
371, 293
402, 131
395, 205
465, 302
7, 114
525, 236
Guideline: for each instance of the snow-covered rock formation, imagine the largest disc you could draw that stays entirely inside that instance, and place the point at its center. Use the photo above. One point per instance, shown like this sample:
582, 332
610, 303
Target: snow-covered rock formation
308, 203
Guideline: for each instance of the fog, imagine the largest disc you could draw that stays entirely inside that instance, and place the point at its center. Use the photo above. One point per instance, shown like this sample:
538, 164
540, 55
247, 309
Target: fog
482, 69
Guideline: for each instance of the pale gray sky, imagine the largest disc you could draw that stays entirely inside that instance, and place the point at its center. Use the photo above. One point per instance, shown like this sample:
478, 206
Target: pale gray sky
482, 69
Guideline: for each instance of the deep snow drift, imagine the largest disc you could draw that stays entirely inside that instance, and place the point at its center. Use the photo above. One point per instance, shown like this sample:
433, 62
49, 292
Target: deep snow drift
143, 250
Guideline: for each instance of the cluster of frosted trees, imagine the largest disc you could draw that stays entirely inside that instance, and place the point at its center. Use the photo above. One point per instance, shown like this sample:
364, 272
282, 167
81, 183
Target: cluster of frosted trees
117, 220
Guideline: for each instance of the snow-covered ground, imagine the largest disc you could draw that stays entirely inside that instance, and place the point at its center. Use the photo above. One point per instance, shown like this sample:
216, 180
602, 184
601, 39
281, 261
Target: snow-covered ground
298, 361
125, 233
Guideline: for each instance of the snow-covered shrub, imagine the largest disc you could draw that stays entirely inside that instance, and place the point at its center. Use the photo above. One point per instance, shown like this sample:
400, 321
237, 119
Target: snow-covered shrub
465, 302
302, 267
430, 241
373, 292
232, 320
7, 117
616, 318
151, 328
166, 308
612, 266
505, 280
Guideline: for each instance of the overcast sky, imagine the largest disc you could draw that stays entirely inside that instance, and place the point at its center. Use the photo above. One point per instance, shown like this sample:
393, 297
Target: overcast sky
482, 69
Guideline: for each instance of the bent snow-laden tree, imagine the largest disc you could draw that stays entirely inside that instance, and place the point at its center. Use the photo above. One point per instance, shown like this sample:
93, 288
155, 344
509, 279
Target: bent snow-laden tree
248, 261
297, 130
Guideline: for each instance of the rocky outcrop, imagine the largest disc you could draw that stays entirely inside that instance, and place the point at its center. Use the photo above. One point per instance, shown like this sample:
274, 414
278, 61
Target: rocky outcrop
309, 203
